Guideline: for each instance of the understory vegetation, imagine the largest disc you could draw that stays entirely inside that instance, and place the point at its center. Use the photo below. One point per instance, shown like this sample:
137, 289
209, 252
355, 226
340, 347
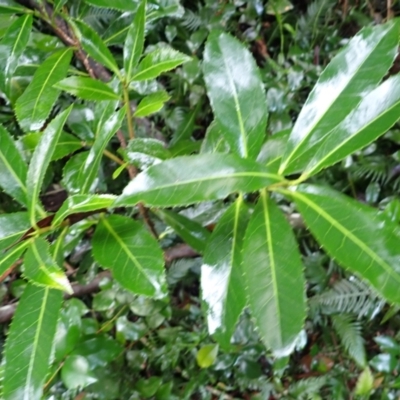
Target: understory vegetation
199, 199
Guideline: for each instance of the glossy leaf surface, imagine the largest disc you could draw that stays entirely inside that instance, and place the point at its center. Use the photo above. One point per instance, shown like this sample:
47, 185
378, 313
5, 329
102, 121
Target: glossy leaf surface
341, 86
274, 274
151, 104
158, 61
87, 88
187, 180
222, 284
34, 105
13, 169
132, 254
236, 93
29, 344
11, 256
355, 235
214, 141
12, 227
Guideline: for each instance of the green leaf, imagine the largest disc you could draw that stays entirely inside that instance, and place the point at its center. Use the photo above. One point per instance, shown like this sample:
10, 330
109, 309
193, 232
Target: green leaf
151, 104
272, 150
132, 254
72, 178
34, 105
151, 147
374, 115
11, 256
185, 127
189, 179
82, 203
365, 383
10, 6
12, 227
207, 355
29, 343
13, 169
76, 373
95, 47
341, 86
41, 269
236, 93
121, 5
355, 235
223, 290
275, 282
90, 168
158, 61
41, 160
11, 48
87, 88
134, 42
190, 231
215, 141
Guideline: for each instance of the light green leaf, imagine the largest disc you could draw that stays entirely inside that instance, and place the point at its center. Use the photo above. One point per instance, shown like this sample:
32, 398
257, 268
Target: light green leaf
236, 93
41, 160
29, 343
352, 73
215, 141
354, 235
278, 7
12, 227
274, 273
134, 42
13, 169
11, 48
151, 104
82, 203
87, 88
365, 383
158, 61
222, 285
189, 179
121, 5
374, 115
34, 105
207, 355
132, 254
41, 269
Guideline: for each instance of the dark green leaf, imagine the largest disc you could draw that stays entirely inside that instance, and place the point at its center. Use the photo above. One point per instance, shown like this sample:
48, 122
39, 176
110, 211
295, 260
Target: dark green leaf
274, 273
185, 128
29, 344
151, 104
10, 6
76, 374
187, 180
121, 5
34, 105
12, 227
132, 254
236, 93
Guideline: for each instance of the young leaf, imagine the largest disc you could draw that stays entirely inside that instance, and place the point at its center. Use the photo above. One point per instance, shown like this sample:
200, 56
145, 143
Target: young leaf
151, 104
187, 180
132, 254
207, 355
13, 169
95, 47
41, 269
134, 42
236, 93
374, 115
275, 282
87, 88
158, 61
34, 105
11, 48
29, 343
344, 82
41, 160
355, 235
223, 290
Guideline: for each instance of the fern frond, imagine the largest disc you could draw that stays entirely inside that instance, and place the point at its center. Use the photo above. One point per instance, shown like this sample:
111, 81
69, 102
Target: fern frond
100, 18
371, 168
307, 387
191, 20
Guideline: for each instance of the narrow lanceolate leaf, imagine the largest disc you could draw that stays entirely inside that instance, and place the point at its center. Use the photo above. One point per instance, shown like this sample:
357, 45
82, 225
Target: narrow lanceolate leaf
341, 86
121, 5
134, 41
10, 6
41, 160
82, 203
374, 115
87, 88
274, 273
186, 126
41, 269
95, 47
11, 48
194, 234
29, 343
158, 61
12, 227
151, 104
190, 179
9, 257
132, 254
13, 169
222, 285
354, 235
90, 169
34, 105
236, 93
